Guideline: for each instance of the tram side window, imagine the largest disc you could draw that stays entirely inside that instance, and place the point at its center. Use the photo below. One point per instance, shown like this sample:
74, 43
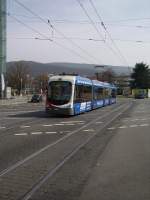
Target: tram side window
87, 93
82, 93
113, 93
98, 93
106, 92
78, 94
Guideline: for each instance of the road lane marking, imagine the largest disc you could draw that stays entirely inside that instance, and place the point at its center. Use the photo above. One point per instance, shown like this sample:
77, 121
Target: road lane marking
59, 124
111, 128
133, 120
140, 111
88, 130
122, 127
47, 125
36, 133
144, 125
99, 122
69, 124
52, 132
134, 125
25, 126
72, 122
19, 134
2, 127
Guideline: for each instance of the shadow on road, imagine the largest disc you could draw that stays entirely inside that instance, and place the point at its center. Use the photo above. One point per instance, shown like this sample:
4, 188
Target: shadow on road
37, 114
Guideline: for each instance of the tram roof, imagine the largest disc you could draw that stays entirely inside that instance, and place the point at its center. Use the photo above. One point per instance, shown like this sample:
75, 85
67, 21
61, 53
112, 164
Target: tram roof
83, 80
98, 83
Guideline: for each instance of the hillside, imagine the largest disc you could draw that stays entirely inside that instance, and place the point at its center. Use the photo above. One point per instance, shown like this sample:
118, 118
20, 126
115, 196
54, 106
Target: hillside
78, 68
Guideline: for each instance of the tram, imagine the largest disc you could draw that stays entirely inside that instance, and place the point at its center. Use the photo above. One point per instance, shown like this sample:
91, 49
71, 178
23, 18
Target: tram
72, 95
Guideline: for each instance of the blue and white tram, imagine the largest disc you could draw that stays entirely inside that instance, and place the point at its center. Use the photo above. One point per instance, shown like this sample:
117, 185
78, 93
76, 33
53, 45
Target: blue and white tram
72, 95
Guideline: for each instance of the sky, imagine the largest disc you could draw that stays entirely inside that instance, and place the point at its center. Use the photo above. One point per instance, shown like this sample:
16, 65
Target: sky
71, 31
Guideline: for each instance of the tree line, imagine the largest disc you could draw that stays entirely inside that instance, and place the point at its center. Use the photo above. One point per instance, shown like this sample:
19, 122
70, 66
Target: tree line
19, 77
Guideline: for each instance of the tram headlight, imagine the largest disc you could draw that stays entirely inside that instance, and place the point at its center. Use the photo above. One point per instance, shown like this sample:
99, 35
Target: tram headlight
67, 106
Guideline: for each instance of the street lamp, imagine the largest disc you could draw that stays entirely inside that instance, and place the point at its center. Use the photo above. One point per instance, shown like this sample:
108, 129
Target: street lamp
21, 87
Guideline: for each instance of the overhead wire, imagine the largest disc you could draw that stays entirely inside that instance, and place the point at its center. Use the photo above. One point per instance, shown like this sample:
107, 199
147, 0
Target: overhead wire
110, 23
108, 33
87, 22
48, 39
48, 22
97, 30
77, 38
27, 26
76, 21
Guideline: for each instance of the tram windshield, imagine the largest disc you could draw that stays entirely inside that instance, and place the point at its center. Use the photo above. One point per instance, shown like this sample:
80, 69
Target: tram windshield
59, 92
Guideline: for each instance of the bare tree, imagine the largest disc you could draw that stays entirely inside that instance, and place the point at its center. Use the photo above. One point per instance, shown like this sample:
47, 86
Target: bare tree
41, 82
17, 76
107, 75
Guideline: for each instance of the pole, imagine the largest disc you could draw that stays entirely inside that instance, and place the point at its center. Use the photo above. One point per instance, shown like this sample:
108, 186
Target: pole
2, 46
21, 87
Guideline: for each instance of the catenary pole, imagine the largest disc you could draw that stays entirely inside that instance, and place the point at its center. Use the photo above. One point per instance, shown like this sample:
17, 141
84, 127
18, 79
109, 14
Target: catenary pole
2, 46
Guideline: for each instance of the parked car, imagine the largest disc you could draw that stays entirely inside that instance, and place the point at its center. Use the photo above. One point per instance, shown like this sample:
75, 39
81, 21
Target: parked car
139, 96
36, 98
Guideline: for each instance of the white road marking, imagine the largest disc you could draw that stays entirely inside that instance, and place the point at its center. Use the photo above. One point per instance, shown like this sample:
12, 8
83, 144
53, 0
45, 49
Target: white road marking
111, 128
137, 119
88, 130
134, 125
36, 133
99, 122
2, 127
71, 122
19, 134
51, 132
121, 127
133, 120
140, 111
130, 119
47, 125
144, 125
25, 126
81, 123
144, 119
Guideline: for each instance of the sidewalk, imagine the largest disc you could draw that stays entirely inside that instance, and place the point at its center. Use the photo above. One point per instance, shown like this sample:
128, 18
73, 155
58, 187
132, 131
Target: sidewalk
16, 100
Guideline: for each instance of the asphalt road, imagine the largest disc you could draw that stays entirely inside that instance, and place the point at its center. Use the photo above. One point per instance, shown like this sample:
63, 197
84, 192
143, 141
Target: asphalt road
102, 154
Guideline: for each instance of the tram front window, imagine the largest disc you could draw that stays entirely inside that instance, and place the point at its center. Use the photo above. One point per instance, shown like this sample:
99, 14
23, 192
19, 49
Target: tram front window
59, 92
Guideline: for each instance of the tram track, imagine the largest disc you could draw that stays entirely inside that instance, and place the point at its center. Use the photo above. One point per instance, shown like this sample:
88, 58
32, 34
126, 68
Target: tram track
13, 127
56, 142
41, 181
13, 139
59, 163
